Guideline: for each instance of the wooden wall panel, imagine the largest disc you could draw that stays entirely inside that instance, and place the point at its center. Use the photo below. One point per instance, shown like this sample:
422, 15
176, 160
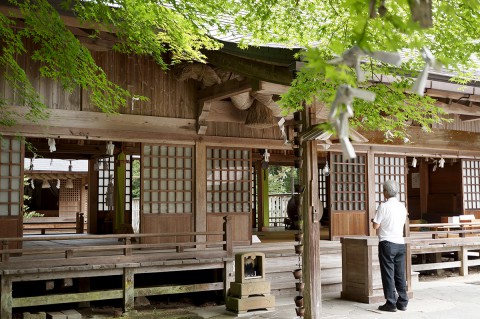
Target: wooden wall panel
166, 224
240, 130
9, 227
344, 223
242, 232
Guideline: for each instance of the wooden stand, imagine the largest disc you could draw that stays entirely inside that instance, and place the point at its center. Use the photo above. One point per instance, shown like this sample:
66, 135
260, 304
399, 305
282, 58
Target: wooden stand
361, 279
250, 291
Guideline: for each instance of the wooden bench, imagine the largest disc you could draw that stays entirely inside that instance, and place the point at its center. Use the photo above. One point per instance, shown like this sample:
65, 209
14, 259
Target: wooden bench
67, 226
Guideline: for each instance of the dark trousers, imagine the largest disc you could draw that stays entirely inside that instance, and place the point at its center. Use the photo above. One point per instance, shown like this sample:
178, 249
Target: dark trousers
392, 268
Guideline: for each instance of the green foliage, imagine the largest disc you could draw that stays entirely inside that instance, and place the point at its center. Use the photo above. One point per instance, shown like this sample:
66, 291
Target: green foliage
280, 179
171, 31
136, 179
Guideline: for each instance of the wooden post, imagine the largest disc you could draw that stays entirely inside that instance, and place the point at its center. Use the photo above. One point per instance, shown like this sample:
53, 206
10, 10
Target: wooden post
5, 256
228, 277
200, 217
228, 236
127, 251
311, 221
463, 256
260, 202
372, 204
6, 297
128, 289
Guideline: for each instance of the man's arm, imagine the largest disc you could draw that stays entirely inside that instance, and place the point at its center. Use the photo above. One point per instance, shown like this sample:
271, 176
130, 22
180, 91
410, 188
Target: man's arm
375, 225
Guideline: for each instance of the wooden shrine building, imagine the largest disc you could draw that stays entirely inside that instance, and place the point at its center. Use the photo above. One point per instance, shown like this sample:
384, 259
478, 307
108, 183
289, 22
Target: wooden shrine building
200, 140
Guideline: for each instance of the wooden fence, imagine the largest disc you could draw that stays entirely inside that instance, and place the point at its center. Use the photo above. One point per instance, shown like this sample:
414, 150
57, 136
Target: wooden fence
120, 255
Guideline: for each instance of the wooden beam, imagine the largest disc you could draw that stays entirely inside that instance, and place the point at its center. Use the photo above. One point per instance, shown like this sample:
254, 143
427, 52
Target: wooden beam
439, 141
469, 118
225, 111
250, 68
224, 90
272, 88
456, 108
85, 124
451, 95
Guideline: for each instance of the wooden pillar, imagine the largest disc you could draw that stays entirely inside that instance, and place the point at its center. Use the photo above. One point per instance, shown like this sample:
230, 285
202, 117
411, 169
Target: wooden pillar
371, 193
92, 219
311, 220
463, 256
423, 188
6, 301
265, 201
200, 217
128, 289
260, 202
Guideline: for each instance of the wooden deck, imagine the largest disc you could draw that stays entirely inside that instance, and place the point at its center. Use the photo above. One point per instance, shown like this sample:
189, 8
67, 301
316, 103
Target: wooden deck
79, 258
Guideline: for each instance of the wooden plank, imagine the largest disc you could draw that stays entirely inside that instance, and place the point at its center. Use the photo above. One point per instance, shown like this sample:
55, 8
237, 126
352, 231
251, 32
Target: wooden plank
441, 265
179, 289
67, 298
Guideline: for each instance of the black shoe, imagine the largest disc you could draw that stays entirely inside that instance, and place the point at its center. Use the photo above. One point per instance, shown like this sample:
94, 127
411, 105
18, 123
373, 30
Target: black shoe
401, 308
388, 308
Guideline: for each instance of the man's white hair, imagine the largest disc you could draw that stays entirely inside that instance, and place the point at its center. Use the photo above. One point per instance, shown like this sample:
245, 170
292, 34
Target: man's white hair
391, 188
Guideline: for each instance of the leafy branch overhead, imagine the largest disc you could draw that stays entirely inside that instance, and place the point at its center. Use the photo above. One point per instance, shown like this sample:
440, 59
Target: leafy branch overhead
169, 34
171, 31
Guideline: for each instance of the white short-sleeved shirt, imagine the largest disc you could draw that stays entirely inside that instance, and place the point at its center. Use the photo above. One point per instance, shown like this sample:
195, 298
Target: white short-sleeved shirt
391, 215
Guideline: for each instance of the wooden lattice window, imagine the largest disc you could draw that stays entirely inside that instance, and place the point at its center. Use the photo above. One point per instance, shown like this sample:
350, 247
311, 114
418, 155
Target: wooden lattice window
322, 186
128, 182
69, 198
228, 180
471, 184
167, 174
11, 176
348, 181
106, 180
390, 167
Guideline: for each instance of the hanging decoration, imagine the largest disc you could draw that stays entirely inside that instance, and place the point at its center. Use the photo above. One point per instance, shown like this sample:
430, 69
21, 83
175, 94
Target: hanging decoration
266, 159
352, 58
32, 184
281, 125
58, 184
51, 145
414, 162
110, 148
70, 167
441, 163
339, 116
326, 169
420, 82
45, 184
96, 166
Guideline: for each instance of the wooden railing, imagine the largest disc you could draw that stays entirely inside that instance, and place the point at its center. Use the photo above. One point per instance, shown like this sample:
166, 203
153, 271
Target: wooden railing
122, 256
278, 209
126, 248
458, 240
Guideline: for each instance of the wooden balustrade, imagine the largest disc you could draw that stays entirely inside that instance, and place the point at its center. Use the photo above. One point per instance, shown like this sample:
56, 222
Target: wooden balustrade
112, 255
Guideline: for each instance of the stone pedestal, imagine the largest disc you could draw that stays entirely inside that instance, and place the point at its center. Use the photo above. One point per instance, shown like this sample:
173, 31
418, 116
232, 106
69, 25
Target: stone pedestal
250, 291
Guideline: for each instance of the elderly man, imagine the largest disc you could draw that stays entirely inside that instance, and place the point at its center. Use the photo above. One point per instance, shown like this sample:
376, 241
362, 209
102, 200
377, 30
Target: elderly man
389, 222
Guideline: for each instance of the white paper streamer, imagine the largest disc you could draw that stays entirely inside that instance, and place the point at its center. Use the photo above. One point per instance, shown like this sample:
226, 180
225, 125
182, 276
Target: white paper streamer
339, 116
110, 148
419, 85
282, 130
51, 145
352, 58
